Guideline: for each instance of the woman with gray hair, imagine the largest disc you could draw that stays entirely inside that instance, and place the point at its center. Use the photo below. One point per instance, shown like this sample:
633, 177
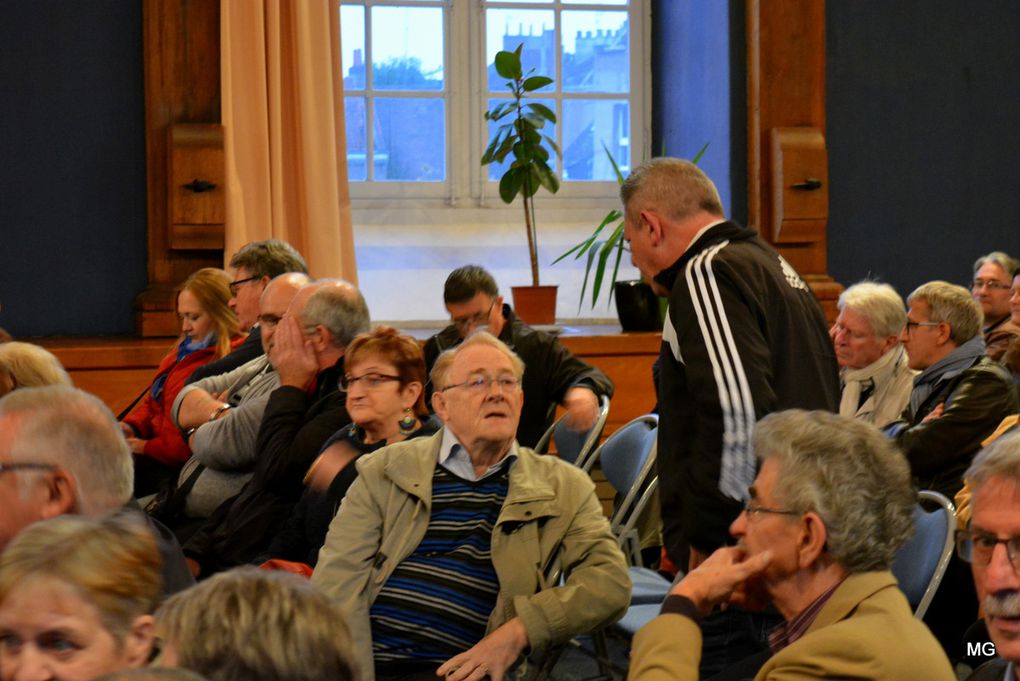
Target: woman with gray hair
874, 376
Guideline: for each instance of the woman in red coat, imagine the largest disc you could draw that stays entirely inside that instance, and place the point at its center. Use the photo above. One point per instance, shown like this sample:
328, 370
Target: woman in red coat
209, 330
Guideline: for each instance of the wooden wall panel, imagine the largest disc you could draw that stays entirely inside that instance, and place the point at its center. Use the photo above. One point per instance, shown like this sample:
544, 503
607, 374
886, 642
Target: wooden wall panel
182, 85
786, 90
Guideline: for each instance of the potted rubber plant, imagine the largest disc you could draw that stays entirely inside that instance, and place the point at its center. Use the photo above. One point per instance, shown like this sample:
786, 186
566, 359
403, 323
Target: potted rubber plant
636, 305
520, 137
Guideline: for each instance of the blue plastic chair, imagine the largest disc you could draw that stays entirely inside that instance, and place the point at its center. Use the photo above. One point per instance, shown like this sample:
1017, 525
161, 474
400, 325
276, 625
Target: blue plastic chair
573, 446
921, 562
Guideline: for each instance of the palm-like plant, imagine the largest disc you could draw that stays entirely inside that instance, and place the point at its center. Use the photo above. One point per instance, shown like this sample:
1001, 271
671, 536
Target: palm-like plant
522, 137
600, 250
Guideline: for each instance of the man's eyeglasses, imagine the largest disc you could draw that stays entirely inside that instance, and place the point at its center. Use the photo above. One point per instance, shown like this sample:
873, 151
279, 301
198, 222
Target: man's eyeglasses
369, 381
978, 547
753, 510
482, 384
989, 284
26, 465
476, 319
235, 285
910, 326
269, 319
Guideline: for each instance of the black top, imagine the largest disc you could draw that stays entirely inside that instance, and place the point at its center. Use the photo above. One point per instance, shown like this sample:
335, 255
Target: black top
744, 337
305, 531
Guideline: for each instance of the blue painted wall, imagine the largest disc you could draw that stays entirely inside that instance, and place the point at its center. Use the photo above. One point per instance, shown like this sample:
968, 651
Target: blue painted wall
697, 57
923, 106
72, 166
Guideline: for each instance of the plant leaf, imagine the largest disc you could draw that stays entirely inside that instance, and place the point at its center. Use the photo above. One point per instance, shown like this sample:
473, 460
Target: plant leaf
552, 145
587, 270
616, 167
534, 120
546, 177
509, 185
536, 82
523, 152
504, 149
618, 234
499, 111
697, 156
508, 64
543, 111
497, 140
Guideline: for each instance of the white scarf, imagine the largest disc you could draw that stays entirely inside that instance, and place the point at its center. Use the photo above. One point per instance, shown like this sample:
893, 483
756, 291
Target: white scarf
879, 374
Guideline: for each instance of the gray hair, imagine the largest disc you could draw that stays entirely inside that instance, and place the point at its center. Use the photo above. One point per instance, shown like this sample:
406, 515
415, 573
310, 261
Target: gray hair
953, 305
258, 625
674, 186
1008, 263
879, 303
75, 431
441, 368
269, 258
339, 306
1000, 459
848, 473
29, 365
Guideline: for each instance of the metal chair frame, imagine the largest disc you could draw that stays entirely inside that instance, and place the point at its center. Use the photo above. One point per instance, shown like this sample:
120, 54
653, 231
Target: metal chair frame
591, 440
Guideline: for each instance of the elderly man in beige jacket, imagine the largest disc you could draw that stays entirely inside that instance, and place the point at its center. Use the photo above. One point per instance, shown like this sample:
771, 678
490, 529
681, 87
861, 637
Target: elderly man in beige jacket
442, 553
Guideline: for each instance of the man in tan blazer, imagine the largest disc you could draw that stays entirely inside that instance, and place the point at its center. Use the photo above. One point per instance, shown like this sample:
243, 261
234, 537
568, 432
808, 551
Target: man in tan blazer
830, 506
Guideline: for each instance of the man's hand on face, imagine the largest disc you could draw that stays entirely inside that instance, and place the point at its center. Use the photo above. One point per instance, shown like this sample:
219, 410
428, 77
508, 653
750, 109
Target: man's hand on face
490, 657
292, 355
722, 578
582, 406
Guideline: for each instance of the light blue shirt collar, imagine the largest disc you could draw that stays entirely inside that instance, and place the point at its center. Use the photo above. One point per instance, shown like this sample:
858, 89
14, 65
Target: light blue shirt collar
454, 458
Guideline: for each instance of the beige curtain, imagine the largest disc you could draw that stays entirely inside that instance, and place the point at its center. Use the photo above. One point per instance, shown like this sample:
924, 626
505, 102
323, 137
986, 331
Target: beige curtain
284, 130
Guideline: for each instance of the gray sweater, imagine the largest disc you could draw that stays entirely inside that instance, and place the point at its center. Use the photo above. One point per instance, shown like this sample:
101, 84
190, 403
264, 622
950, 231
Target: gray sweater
227, 445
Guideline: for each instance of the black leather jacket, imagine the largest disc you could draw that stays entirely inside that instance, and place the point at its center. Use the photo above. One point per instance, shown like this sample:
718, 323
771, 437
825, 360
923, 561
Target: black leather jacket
976, 401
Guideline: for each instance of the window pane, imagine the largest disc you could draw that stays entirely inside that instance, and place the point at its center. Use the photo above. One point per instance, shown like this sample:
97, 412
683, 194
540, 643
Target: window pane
410, 139
407, 48
595, 52
352, 39
594, 2
587, 125
508, 28
496, 170
357, 139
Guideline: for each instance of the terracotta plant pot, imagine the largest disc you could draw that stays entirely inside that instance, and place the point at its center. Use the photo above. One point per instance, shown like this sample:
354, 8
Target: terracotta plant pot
535, 304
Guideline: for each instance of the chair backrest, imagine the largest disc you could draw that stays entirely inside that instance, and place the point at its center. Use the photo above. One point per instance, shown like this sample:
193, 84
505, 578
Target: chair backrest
922, 560
571, 445
627, 458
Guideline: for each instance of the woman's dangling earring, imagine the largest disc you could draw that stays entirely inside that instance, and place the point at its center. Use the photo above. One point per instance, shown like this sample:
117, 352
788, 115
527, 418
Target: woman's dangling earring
407, 423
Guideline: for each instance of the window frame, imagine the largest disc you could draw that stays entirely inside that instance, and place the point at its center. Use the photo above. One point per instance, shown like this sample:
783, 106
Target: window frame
466, 94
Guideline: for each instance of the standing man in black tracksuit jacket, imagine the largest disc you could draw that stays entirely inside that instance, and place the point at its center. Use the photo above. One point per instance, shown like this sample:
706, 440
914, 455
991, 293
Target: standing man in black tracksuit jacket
744, 337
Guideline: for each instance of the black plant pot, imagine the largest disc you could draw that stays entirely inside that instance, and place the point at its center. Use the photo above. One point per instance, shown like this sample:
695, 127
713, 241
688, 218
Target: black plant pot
637, 306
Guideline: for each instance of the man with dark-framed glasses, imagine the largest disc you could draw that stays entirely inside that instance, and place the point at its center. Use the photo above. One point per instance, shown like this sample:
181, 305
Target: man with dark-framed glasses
991, 544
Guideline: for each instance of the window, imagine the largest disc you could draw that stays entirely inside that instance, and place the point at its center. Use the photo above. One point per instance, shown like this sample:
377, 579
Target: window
419, 74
